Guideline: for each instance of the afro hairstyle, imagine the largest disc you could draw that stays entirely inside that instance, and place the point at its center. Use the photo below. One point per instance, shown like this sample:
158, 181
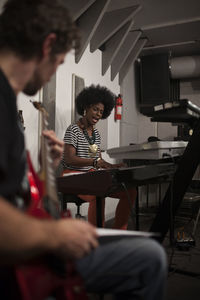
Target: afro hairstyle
95, 94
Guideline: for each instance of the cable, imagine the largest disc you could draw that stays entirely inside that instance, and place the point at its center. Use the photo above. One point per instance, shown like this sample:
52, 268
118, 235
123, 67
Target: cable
171, 257
171, 213
171, 201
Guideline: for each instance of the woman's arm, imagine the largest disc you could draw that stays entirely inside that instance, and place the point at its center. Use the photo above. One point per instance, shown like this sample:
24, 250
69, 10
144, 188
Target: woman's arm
72, 159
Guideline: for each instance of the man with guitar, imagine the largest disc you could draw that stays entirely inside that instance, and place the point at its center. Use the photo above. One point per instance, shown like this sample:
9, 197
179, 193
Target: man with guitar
34, 39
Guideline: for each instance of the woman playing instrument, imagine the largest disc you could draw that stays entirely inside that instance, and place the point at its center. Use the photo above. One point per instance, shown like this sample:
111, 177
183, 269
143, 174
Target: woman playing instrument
82, 149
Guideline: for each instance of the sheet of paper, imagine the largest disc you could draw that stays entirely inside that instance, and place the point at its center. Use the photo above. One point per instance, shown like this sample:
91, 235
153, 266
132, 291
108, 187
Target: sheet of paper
72, 174
105, 232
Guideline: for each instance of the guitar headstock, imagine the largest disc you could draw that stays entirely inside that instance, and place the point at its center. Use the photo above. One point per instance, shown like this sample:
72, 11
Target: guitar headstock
40, 107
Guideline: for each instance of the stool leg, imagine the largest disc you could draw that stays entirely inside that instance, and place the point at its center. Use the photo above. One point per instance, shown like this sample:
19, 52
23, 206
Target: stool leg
78, 215
137, 209
62, 201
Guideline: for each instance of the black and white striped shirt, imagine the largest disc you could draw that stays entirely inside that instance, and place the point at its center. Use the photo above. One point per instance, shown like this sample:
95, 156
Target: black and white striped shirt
74, 136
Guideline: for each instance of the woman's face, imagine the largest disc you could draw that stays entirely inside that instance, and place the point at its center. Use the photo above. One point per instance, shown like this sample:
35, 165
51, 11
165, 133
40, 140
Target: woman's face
94, 113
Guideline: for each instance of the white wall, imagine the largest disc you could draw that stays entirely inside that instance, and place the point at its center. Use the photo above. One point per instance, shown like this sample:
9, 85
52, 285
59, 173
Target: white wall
88, 68
31, 123
135, 127
191, 90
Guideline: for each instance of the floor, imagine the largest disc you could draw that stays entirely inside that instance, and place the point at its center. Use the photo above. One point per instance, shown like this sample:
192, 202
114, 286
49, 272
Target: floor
184, 273
184, 263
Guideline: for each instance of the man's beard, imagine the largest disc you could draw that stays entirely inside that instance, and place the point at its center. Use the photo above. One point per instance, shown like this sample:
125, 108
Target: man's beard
33, 86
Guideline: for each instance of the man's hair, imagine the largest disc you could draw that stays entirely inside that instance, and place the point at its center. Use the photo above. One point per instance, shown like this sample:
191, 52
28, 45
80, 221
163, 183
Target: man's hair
95, 94
24, 25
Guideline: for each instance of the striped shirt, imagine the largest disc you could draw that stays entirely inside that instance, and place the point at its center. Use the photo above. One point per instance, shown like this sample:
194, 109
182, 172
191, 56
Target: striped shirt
74, 136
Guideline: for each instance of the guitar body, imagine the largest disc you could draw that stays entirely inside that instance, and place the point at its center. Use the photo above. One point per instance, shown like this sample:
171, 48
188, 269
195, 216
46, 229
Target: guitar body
39, 279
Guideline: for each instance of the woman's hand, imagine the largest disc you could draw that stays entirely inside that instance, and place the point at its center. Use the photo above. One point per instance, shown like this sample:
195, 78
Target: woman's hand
121, 165
105, 165
102, 164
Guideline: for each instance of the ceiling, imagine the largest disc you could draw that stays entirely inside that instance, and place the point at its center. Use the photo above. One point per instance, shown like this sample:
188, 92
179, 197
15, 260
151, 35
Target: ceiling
127, 29
169, 25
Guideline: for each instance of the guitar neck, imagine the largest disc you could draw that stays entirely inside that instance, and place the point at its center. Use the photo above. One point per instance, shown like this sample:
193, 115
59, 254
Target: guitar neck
46, 173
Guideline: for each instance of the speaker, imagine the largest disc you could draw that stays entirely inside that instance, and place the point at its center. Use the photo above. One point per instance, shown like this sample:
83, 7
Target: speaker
154, 80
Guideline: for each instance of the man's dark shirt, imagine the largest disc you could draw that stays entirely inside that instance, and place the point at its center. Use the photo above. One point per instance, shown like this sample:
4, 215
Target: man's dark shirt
12, 153
13, 179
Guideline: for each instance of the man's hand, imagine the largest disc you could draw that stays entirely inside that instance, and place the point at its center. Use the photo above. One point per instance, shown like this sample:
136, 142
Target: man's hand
56, 145
23, 237
73, 238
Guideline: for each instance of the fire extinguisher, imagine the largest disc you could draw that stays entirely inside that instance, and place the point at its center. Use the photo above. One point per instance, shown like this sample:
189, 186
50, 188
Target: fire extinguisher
118, 108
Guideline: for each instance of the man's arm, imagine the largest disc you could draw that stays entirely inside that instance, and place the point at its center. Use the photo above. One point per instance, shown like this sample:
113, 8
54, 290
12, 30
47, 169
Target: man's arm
23, 237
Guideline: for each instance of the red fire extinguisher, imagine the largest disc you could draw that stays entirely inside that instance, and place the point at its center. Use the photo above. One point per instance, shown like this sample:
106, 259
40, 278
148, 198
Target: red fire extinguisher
118, 108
